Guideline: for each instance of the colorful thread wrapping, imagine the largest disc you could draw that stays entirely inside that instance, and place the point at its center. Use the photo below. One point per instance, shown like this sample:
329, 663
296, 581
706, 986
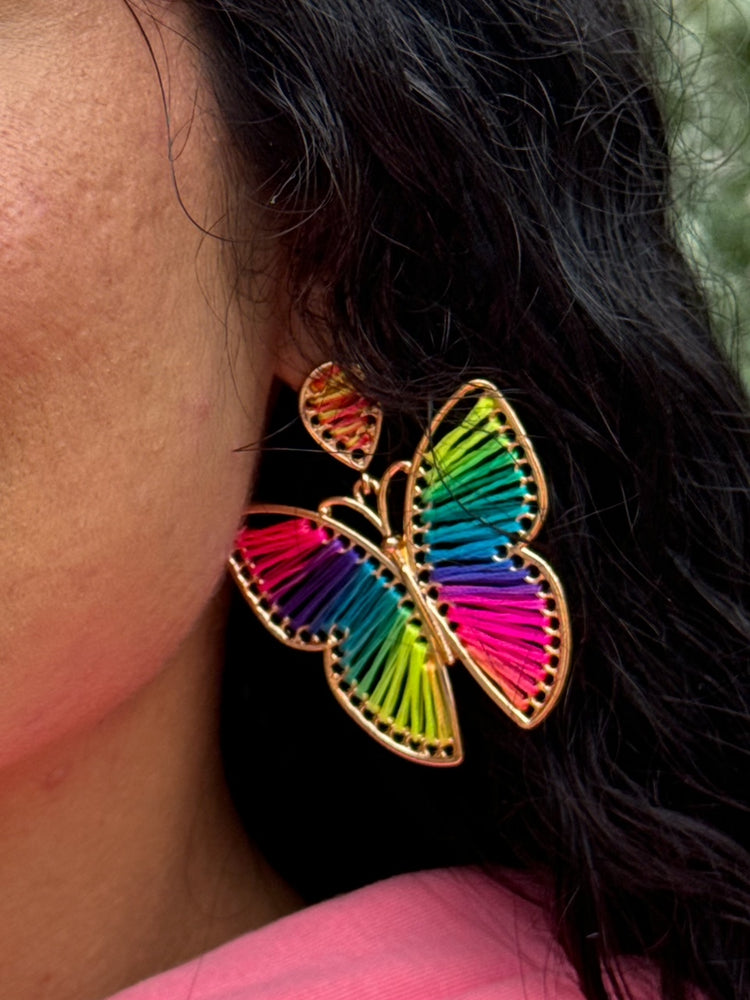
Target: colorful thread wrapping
470, 511
329, 586
460, 583
339, 417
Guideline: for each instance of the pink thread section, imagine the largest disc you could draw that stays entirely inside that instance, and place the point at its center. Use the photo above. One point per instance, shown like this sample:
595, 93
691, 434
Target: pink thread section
504, 635
280, 554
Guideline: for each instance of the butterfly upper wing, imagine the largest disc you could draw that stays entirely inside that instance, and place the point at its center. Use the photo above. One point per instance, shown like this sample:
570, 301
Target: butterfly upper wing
475, 497
317, 586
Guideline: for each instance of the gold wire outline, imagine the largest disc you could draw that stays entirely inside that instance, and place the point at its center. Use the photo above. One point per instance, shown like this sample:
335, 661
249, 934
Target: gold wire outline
396, 554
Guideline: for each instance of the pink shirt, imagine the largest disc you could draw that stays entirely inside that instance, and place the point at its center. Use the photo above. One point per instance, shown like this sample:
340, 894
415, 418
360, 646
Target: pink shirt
451, 934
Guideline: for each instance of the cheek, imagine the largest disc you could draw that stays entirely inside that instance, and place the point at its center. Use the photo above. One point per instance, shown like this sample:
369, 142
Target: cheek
119, 491
120, 485
83, 238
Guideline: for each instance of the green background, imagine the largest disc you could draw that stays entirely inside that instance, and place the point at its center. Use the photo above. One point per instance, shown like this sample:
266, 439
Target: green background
708, 87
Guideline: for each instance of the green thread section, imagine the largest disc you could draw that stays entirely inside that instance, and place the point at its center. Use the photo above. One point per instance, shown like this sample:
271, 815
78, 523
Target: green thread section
398, 681
474, 493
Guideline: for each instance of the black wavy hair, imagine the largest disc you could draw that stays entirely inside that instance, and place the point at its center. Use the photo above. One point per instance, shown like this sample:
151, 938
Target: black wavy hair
482, 188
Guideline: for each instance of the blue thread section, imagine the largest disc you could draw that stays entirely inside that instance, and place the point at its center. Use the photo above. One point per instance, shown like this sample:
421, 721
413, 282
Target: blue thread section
310, 579
383, 652
339, 589
474, 493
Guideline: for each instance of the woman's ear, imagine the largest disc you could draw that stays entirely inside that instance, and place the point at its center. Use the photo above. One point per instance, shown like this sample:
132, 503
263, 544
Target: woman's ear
296, 358
300, 346
293, 365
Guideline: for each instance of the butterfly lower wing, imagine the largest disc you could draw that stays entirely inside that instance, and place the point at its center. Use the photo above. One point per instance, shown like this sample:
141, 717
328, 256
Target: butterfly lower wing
508, 624
476, 495
317, 586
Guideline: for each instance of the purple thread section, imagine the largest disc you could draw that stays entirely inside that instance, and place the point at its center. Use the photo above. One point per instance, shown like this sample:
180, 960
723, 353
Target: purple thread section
326, 574
473, 573
298, 566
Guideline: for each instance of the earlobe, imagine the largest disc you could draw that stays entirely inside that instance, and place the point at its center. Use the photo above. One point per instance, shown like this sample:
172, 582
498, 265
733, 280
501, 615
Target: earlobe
292, 366
301, 344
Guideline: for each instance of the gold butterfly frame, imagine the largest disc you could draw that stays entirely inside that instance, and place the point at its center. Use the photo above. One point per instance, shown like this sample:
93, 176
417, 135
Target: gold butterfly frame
458, 583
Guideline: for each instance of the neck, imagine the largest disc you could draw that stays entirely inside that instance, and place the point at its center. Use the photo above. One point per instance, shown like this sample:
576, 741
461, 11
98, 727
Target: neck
120, 853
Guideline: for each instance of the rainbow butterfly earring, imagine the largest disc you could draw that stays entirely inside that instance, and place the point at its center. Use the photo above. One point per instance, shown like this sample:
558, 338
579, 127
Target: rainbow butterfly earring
457, 583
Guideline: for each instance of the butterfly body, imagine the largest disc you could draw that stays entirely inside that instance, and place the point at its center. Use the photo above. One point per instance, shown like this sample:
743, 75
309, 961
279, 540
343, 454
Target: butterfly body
456, 583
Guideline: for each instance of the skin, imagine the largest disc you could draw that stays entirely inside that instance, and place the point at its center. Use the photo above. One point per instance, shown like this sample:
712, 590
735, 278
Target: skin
127, 382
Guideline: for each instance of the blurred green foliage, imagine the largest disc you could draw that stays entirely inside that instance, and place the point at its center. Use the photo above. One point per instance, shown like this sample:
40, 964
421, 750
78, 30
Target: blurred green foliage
709, 95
